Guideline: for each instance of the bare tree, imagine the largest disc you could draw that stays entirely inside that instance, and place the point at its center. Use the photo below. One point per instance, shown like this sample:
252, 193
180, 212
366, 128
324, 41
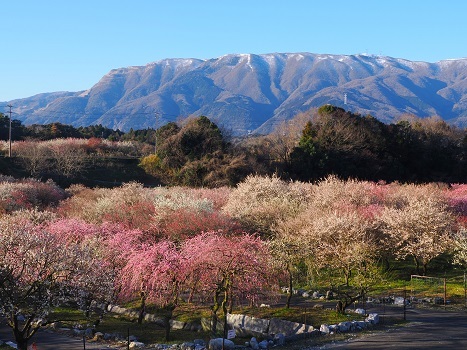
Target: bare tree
285, 137
67, 156
33, 155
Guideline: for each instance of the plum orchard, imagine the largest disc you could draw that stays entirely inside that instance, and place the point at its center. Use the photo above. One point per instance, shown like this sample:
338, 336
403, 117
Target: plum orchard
155, 244
38, 270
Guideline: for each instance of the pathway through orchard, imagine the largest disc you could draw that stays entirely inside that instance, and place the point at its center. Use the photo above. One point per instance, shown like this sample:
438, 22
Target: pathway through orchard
427, 329
47, 340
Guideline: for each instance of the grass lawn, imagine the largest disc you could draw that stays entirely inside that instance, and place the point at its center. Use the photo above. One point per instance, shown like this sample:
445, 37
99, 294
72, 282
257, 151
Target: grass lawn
302, 311
151, 333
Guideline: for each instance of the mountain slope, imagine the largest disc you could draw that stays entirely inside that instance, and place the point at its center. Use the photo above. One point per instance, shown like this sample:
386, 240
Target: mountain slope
254, 93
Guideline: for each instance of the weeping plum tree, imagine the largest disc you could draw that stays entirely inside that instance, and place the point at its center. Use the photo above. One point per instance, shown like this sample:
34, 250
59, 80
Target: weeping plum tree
38, 269
155, 273
227, 268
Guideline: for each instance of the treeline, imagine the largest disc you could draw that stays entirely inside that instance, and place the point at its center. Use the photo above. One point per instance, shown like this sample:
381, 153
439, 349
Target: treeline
350, 145
323, 141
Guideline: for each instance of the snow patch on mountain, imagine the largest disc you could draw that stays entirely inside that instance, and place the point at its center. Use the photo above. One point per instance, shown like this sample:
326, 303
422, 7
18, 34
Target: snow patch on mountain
255, 92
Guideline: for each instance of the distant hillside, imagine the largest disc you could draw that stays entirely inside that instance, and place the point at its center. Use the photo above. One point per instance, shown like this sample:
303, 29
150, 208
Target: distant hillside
253, 93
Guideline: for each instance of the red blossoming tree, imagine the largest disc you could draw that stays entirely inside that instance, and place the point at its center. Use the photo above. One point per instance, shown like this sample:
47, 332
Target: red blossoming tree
227, 268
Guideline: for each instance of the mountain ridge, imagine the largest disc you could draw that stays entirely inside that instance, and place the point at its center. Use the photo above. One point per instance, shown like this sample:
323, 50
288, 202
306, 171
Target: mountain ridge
253, 93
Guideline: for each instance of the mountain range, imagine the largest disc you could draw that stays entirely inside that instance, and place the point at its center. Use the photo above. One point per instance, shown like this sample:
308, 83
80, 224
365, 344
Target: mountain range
247, 93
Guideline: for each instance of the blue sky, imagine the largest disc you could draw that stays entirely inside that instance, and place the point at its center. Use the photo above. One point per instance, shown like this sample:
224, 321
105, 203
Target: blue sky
65, 45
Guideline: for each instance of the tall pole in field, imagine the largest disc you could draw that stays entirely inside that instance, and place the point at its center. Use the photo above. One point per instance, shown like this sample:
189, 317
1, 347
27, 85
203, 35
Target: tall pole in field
9, 135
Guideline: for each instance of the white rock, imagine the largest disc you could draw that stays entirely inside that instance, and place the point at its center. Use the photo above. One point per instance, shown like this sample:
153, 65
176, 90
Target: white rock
360, 311
136, 345
216, 344
324, 329
372, 318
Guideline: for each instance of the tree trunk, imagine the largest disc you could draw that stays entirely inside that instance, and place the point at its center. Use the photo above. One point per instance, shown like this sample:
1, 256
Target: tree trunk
345, 300
190, 297
22, 344
23, 335
143, 308
168, 313
225, 302
347, 275
290, 292
386, 263
340, 307
215, 309
425, 268
417, 264
230, 303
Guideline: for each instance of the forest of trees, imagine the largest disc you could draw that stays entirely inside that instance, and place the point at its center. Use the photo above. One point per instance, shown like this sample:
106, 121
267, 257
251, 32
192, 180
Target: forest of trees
196, 152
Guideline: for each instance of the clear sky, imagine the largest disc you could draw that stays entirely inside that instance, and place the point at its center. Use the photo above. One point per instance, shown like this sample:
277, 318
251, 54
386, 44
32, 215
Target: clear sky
66, 45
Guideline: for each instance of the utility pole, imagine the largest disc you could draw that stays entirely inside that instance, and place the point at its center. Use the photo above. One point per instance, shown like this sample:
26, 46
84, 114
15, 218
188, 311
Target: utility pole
9, 135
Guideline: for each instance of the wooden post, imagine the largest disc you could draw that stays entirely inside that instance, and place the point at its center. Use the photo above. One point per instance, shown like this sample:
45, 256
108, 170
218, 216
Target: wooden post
445, 293
465, 292
128, 337
405, 307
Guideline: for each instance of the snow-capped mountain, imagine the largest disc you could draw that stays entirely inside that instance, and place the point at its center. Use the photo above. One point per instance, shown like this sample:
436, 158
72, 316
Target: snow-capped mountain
252, 93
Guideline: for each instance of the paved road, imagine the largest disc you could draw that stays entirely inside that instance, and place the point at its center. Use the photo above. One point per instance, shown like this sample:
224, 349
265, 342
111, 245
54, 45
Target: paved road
427, 329
51, 341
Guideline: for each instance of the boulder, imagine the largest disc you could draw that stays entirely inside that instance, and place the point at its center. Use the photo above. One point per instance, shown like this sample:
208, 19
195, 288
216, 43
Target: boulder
324, 329
206, 324
98, 336
176, 325
399, 301
199, 342
247, 326
89, 333
216, 344
344, 326
279, 339
361, 324
187, 346
288, 328
372, 318
360, 311
254, 344
136, 345
78, 332
161, 346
